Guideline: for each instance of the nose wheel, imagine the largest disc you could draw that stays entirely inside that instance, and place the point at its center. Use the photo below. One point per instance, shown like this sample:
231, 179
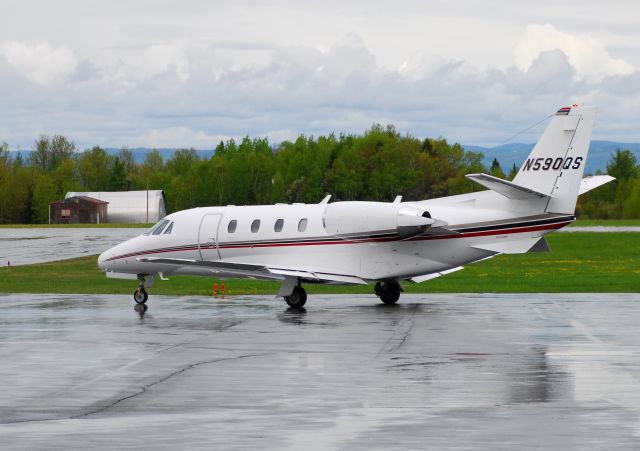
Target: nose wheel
140, 295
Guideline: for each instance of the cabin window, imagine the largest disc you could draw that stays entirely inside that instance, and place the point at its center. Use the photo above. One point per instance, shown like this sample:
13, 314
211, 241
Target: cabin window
169, 229
255, 225
302, 225
278, 225
65, 214
231, 228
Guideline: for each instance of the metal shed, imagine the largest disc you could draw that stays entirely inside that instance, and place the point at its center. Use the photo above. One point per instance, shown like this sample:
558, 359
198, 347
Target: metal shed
78, 210
131, 207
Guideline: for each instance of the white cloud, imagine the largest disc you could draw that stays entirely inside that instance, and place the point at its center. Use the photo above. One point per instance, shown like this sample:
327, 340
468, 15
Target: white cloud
179, 137
588, 56
41, 62
183, 92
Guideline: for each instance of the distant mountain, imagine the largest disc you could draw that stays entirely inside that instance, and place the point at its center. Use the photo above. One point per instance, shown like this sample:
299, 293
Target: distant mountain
139, 153
515, 153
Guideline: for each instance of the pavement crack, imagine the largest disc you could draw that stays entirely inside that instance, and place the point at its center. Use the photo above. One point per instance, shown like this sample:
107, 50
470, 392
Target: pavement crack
400, 334
144, 388
139, 392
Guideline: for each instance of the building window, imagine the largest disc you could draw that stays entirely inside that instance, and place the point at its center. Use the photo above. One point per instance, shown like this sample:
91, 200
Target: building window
231, 228
169, 229
65, 213
255, 225
302, 225
278, 225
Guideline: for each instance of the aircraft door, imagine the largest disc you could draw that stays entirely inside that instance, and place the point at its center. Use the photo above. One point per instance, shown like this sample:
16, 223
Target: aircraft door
208, 237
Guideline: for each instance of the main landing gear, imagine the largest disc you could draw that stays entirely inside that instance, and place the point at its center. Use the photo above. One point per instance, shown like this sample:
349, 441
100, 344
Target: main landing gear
297, 298
388, 292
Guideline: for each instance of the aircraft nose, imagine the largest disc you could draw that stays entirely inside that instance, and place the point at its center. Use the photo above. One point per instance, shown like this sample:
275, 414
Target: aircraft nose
102, 259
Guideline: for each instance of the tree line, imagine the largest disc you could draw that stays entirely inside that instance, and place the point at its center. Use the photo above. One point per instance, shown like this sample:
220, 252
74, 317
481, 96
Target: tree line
376, 165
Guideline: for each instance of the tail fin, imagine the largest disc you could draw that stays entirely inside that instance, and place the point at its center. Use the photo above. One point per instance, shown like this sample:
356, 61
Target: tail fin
556, 164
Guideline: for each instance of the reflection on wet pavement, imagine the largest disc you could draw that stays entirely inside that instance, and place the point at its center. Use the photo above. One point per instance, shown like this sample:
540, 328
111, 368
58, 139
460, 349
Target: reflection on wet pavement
434, 372
34, 245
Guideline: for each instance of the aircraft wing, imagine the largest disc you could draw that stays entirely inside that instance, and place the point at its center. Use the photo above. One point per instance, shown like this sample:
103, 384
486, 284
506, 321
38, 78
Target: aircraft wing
232, 269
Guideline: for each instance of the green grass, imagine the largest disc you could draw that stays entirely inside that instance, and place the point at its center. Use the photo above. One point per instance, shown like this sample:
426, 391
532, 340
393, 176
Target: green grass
605, 222
75, 226
578, 262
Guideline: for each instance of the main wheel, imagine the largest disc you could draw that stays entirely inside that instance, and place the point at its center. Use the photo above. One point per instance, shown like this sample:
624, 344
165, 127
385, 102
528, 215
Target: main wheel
297, 298
390, 293
140, 296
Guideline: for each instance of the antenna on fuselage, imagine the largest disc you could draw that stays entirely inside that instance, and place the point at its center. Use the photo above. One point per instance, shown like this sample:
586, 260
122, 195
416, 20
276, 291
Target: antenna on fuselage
325, 200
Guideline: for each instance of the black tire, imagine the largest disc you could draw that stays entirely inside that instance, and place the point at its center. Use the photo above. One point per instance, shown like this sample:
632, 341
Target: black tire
377, 289
390, 293
297, 299
140, 296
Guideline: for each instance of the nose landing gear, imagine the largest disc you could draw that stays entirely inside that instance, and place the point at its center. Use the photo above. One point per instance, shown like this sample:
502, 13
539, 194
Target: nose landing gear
140, 295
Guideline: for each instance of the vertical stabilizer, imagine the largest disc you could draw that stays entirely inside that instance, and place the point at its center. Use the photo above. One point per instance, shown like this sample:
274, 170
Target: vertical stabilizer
556, 164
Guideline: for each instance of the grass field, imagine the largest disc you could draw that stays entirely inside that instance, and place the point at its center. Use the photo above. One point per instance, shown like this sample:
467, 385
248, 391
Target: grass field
578, 262
606, 222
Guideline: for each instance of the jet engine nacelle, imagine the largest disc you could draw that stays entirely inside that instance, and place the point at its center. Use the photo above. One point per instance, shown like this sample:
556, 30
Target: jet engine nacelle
347, 219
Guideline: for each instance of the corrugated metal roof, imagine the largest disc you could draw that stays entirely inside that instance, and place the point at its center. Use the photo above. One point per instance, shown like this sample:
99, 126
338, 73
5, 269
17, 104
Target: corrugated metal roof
85, 198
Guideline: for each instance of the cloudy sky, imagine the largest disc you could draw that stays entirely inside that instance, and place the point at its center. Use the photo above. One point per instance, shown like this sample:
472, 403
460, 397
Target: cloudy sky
189, 73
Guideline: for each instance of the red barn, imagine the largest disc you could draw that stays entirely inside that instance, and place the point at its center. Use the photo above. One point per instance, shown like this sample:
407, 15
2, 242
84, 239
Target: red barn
78, 210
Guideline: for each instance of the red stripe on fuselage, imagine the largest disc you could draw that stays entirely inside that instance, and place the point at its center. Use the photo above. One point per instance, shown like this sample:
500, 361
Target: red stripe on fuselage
372, 240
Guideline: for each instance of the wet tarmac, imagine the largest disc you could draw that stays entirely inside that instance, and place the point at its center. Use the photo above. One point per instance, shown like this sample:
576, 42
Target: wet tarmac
499, 372
38, 245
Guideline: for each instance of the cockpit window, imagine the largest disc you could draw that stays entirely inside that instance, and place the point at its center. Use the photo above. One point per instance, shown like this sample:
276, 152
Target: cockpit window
169, 229
153, 229
157, 230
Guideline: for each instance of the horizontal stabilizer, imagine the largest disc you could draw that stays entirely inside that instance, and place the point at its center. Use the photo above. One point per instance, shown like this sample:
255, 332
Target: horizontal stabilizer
506, 188
594, 181
520, 246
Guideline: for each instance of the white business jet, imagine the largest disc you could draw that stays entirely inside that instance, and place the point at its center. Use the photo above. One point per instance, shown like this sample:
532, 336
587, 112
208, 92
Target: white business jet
371, 242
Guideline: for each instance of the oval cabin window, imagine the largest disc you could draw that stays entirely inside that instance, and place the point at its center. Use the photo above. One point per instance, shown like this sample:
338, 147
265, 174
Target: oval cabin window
231, 228
302, 225
255, 226
278, 225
